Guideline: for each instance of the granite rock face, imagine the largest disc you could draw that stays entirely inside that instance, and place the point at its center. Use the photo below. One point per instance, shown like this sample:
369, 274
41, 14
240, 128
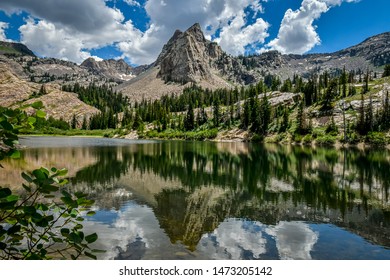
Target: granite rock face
111, 68
188, 57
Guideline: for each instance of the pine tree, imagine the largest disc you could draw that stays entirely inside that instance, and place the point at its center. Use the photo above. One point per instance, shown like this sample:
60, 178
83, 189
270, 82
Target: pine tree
284, 124
329, 95
301, 122
343, 82
216, 112
74, 122
386, 113
386, 72
369, 120
265, 114
360, 126
189, 121
84, 126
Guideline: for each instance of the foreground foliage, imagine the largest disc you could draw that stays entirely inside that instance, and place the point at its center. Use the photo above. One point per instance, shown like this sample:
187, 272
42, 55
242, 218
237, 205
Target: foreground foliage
39, 224
41, 221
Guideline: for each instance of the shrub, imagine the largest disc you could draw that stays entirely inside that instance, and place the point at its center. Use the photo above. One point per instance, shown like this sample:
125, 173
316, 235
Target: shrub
326, 140
376, 139
42, 222
307, 139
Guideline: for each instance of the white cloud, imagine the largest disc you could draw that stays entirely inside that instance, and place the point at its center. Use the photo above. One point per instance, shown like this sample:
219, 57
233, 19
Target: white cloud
73, 28
132, 3
232, 239
168, 15
68, 34
3, 27
294, 240
297, 34
236, 36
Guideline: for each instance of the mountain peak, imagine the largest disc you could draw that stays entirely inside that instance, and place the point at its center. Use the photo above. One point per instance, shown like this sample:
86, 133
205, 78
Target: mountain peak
196, 31
187, 57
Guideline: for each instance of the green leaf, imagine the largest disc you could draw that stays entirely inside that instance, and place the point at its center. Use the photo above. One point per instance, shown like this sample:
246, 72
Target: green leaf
31, 120
65, 232
91, 238
29, 210
27, 177
69, 202
39, 174
7, 205
75, 238
66, 194
49, 188
90, 255
91, 213
40, 114
6, 125
27, 188
4, 192
15, 154
42, 207
98, 251
37, 105
13, 230
12, 198
62, 172
3, 246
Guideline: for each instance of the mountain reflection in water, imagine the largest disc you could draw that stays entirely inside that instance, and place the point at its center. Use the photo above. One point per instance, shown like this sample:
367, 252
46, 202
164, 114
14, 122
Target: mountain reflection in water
196, 200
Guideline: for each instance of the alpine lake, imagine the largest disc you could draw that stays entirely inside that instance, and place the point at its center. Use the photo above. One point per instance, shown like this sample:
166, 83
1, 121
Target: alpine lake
208, 200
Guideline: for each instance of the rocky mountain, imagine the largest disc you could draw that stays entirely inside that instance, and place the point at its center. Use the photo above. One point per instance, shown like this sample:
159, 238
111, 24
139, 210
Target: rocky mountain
371, 54
188, 57
117, 70
58, 104
16, 49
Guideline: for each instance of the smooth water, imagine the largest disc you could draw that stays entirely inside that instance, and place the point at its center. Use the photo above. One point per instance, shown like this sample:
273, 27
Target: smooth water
201, 200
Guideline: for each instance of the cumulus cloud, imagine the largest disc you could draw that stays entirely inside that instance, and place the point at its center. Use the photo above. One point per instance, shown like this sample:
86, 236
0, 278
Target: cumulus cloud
294, 240
72, 35
297, 34
234, 238
227, 16
3, 27
236, 36
68, 34
73, 28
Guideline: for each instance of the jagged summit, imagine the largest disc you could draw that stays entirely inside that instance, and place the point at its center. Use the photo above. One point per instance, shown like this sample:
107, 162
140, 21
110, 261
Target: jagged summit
188, 57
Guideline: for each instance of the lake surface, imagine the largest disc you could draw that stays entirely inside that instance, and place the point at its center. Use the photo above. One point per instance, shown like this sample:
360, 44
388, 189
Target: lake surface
200, 200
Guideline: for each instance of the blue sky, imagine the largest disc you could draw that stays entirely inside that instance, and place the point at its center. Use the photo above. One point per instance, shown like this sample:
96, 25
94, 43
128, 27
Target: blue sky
136, 30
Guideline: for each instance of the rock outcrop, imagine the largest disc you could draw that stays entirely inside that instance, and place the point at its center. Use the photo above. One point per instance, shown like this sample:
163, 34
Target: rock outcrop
188, 57
113, 69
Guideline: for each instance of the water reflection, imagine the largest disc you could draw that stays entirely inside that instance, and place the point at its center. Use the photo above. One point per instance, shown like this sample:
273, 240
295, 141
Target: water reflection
189, 200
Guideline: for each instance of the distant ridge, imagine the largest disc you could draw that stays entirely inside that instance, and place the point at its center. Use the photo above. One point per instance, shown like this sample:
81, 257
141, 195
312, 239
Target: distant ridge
15, 49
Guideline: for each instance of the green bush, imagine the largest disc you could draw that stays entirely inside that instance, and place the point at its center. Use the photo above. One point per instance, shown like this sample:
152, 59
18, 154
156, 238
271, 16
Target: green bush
307, 139
184, 135
257, 138
297, 137
376, 139
326, 140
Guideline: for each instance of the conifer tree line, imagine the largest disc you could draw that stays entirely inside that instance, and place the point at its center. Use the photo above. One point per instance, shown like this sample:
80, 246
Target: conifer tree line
245, 107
